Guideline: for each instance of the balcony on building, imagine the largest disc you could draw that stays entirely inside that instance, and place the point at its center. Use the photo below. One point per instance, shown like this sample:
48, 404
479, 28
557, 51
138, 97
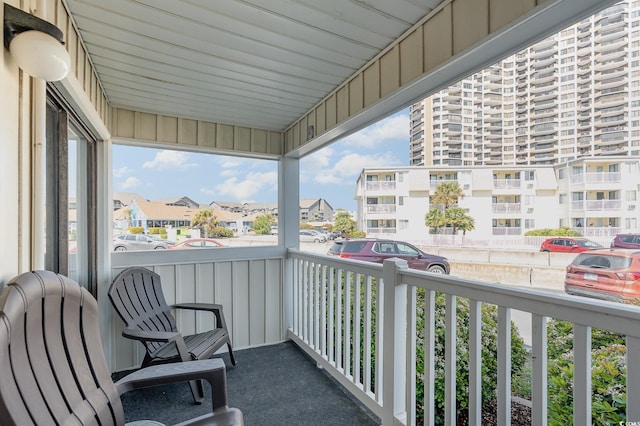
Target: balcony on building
504, 180
384, 207
603, 205
502, 206
506, 230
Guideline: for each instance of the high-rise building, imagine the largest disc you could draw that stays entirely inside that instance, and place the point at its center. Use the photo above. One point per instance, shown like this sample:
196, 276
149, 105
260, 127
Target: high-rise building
573, 95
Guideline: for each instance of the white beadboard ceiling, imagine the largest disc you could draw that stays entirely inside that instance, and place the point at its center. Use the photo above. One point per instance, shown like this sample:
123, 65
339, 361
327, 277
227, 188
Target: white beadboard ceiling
265, 63
256, 63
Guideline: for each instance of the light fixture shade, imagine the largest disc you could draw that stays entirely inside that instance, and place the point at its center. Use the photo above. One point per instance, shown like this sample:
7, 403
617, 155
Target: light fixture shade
40, 55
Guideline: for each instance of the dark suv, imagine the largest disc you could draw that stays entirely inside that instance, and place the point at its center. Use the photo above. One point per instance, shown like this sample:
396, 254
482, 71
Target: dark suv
631, 241
378, 250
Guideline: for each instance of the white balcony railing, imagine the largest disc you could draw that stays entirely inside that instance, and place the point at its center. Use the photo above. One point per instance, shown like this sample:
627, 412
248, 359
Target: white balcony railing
381, 208
359, 322
381, 230
596, 177
506, 230
506, 183
506, 207
601, 205
381, 185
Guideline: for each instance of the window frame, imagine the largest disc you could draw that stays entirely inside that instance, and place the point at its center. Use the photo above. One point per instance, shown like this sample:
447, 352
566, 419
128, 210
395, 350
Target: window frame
60, 117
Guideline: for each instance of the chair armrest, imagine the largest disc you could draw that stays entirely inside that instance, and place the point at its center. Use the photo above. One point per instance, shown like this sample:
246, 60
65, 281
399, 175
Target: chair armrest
211, 370
150, 336
212, 307
215, 308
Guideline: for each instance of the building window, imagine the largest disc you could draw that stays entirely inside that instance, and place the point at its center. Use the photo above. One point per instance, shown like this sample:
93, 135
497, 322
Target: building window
71, 195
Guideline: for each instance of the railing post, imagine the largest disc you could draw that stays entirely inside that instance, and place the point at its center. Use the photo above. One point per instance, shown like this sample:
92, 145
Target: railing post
394, 344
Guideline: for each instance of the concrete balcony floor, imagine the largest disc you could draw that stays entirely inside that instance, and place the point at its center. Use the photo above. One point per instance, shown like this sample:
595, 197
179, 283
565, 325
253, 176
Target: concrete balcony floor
272, 385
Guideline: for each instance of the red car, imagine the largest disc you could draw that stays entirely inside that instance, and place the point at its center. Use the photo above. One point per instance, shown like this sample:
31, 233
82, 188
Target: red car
568, 245
197, 243
610, 274
630, 241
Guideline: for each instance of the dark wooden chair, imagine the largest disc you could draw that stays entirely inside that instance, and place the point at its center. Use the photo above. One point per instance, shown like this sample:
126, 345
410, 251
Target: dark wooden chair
136, 295
52, 365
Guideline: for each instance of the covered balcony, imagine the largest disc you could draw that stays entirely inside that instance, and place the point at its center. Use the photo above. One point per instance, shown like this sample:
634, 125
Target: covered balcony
279, 82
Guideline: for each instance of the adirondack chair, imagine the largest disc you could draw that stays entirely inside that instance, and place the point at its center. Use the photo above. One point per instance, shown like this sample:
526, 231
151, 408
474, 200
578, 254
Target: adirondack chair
136, 295
52, 364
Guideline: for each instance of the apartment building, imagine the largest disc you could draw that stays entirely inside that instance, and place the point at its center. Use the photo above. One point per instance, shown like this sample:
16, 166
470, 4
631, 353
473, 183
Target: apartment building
595, 196
573, 95
599, 196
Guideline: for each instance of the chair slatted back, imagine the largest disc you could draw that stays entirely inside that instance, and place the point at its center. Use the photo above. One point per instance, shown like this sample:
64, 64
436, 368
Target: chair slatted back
137, 295
52, 364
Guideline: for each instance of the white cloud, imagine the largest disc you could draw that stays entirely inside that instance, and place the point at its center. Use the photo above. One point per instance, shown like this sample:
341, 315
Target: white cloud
388, 130
130, 182
169, 160
318, 160
121, 171
346, 170
229, 162
245, 189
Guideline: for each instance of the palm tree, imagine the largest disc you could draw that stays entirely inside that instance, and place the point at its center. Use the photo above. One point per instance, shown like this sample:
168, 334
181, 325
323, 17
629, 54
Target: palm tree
447, 194
205, 221
127, 213
435, 219
459, 219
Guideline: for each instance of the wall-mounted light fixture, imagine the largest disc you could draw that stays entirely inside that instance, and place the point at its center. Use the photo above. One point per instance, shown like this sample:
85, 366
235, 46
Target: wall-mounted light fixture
35, 44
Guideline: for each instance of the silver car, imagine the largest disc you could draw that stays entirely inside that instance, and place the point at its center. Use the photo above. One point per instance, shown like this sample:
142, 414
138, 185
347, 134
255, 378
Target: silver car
307, 236
130, 242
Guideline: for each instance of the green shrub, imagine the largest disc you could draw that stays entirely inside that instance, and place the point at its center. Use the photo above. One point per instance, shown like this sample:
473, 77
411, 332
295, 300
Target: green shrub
221, 231
489, 337
262, 224
136, 230
548, 232
608, 375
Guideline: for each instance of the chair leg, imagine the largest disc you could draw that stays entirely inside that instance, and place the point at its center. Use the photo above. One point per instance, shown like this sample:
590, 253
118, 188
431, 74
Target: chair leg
197, 390
233, 359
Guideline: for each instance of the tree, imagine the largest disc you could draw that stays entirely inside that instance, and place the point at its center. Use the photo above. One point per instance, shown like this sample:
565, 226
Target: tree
128, 214
457, 218
205, 221
446, 213
447, 194
262, 224
343, 222
435, 219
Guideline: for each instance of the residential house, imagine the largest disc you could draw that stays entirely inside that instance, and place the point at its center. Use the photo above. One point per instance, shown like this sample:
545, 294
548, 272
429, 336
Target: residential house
179, 201
315, 210
124, 199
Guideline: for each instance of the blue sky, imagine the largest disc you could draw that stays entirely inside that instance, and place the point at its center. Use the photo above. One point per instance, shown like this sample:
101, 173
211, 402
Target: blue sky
329, 173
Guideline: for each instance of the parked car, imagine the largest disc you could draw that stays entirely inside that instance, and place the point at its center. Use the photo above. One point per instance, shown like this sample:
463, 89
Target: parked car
308, 236
631, 241
130, 242
373, 250
157, 238
568, 244
196, 243
610, 274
